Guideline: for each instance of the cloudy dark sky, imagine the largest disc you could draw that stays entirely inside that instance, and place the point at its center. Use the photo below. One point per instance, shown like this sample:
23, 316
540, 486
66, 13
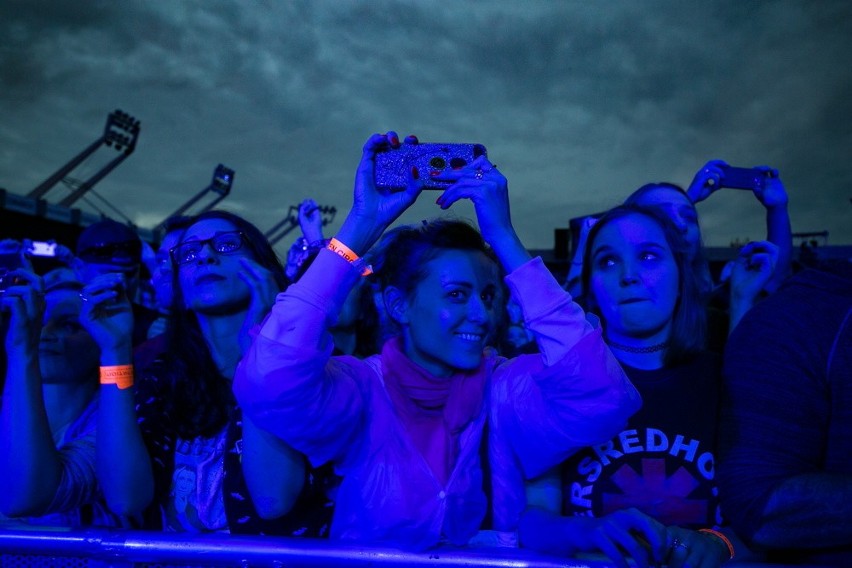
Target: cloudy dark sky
578, 102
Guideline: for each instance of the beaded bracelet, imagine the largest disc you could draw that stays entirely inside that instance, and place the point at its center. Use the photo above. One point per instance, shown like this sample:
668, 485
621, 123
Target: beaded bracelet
721, 537
118, 375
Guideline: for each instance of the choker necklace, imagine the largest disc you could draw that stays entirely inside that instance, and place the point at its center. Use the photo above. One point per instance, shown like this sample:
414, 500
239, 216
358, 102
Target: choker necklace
631, 349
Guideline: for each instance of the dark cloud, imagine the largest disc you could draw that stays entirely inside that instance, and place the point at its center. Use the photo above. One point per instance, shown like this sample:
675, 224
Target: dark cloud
578, 104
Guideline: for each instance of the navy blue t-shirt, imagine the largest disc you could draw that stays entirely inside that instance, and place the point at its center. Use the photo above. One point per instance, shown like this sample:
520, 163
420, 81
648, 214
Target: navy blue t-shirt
662, 463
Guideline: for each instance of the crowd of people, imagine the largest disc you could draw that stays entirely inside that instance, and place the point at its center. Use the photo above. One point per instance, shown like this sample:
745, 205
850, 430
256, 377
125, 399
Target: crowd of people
433, 384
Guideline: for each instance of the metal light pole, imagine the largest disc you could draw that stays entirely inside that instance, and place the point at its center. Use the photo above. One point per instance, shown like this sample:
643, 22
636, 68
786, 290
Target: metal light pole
121, 132
223, 180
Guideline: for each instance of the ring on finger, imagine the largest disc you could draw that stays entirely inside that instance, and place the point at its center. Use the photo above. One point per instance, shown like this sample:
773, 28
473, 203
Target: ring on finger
478, 174
678, 544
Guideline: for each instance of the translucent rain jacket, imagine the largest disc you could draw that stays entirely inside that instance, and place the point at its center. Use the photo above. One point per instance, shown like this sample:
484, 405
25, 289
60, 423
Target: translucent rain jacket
539, 409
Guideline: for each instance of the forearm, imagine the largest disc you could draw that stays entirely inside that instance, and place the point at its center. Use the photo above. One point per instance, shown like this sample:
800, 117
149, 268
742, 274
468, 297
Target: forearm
123, 464
316, 299
808, 511
29, 461
736, 310
780, 233
273, 495
557, 322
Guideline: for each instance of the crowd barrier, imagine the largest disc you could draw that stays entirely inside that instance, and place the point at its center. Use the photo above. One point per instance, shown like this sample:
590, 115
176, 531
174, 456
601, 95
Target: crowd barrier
140, 549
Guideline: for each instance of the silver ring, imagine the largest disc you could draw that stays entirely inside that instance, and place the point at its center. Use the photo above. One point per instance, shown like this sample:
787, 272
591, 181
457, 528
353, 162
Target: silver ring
478, 174
84, 298
678, 544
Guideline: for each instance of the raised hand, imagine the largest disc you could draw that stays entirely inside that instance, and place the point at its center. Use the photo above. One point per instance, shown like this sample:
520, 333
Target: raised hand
772, 195
707, 180
108, 316
263, 288
373, 211
310, 220
753, 268
488, 189
22, 304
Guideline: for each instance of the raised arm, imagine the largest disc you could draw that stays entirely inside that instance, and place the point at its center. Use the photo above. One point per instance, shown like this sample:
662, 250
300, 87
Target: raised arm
272, 495
30, 464
287, 383
772, 195
123, 464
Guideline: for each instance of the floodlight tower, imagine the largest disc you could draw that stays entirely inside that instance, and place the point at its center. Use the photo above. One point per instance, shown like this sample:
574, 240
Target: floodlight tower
223, 180
291, 221
121, 132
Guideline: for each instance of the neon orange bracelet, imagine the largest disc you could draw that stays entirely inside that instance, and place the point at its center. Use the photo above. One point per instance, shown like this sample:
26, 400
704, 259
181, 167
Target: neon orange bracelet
118, 375
337, 247
349, 255
721, 537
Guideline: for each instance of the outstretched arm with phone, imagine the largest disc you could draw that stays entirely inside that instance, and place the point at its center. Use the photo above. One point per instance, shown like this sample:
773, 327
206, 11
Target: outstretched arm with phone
767, 187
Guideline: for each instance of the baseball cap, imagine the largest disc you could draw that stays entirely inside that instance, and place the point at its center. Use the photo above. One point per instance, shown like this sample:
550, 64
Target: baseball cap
110, 242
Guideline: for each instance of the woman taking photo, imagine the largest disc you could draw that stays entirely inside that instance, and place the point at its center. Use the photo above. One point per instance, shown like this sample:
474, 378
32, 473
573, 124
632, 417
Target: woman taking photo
405, 428
618, 497
208, 468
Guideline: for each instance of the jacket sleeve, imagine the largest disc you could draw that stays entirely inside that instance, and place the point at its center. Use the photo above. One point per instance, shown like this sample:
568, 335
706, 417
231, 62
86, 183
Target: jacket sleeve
289, 384
571, 395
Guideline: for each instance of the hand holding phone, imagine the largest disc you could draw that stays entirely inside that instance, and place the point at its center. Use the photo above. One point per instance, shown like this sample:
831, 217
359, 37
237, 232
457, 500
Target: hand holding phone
41, 248
393, 165
752, 179
9, 262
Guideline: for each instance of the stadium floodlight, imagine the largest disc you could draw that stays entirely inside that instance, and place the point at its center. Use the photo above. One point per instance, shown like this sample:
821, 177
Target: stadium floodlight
121, 132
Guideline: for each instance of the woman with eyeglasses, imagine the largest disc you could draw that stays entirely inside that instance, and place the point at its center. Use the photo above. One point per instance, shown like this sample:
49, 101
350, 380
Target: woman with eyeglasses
210, 467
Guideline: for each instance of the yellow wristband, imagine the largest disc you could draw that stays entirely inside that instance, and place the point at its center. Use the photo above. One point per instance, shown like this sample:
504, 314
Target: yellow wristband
349, 255
118, 375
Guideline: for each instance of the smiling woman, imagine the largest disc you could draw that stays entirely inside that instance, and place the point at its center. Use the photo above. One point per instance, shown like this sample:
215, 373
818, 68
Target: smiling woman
406, 428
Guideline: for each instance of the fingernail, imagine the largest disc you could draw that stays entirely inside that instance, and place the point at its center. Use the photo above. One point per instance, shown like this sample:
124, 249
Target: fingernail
395, 141
415, 173
412, 139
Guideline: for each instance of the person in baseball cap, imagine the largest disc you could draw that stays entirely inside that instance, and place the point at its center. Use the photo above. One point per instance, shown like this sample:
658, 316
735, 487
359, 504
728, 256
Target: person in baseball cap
109, 246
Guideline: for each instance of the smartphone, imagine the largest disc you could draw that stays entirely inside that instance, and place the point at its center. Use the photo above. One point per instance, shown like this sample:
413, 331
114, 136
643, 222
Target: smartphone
742, 178
393, 166
9, 262
41, 248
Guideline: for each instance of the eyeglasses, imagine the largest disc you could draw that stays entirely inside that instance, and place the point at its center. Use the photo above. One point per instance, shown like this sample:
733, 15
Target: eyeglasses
223, 243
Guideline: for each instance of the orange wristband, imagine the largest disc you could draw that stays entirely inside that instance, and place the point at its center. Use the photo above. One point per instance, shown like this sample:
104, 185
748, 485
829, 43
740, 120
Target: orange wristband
118, 375
337, 247
349, 255
721, 537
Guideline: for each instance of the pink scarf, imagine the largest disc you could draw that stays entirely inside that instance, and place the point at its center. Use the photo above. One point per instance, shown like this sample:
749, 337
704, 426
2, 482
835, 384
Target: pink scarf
434, 410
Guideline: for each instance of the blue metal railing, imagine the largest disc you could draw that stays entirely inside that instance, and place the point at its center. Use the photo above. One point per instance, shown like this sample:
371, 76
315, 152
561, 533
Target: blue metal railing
140, 549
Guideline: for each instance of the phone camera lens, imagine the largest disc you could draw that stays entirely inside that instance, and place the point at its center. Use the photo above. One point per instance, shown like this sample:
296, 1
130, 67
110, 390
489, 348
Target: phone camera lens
438, 163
